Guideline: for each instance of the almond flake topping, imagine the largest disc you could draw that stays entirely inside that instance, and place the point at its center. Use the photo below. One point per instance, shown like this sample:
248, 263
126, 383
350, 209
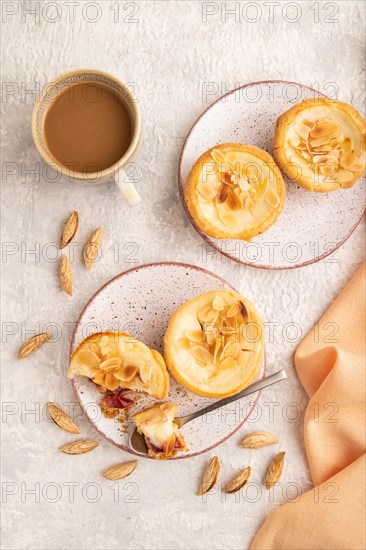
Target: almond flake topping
326, 150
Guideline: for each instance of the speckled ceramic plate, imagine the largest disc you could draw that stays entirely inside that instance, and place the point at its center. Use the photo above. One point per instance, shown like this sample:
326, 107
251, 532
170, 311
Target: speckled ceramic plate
141, 302
312, 225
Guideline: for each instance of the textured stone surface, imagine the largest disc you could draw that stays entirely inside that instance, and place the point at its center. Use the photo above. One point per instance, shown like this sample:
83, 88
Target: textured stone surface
169, 53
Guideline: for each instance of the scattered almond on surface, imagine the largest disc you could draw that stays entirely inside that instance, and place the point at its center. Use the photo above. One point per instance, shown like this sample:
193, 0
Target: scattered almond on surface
34, 343
92, 247
65, 274
210, 476
257, 440
120, 470
238, 481
62, 419
69, 229
275, 470
79, 447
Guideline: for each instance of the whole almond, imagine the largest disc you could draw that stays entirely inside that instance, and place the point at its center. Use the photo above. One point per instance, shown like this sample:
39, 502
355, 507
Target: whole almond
92, 247
210, 476
34, 343
120, 470
238, 481
274, 470
257, 440
65, 274
69, 229
79, 447
62, 419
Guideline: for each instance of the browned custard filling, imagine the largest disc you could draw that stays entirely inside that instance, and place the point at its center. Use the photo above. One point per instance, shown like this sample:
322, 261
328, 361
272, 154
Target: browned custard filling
87, 128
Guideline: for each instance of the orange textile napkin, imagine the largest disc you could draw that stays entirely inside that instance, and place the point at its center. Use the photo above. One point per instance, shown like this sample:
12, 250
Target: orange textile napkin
330, 362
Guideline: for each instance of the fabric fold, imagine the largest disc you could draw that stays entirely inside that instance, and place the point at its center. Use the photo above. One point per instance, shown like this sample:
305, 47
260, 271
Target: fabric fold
330, 362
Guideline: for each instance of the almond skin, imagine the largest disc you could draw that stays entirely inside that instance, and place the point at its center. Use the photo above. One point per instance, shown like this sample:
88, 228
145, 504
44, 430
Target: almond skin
79, 447
92, 247
120, 471
210, 476
257, 440
69, 229
238, 481
34, 343
275, 470
62, 419
65, 274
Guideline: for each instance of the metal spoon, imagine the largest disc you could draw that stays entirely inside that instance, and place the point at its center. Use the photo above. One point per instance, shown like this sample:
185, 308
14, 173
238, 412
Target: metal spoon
137, 440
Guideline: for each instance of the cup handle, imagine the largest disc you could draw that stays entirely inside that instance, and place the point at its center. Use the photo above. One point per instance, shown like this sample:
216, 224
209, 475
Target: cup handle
126, 187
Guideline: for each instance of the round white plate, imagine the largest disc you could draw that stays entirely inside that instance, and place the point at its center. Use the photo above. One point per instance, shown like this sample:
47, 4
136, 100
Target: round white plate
312, 225
141, 302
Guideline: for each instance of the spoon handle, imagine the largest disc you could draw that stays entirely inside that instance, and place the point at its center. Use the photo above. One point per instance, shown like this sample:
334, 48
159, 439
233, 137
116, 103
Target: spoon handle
257, 386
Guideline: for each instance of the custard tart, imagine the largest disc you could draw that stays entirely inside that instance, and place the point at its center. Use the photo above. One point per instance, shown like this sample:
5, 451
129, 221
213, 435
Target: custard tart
320, 144
214, 343
235, 191
162, 435
116, 360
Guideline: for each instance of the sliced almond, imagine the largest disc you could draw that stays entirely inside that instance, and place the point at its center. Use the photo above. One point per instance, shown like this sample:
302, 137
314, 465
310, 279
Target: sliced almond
62, 419
323, 128
202, 354
218, 303
79, 447
275, 470
65, 274
243, 310
218, 157
111, 383
232, 350
302, 130
194, 335
100, 378
347, 145
103, 342
257, 440
34, 343
347, 160
233, 310
319, 141
218, 345
228, 363
69, 229
92, 247
208, 316
211, 338
88, 358
238, 481
272, 197
145, 373
120, 471
344, 176
126, 373
210, 476
110, 364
